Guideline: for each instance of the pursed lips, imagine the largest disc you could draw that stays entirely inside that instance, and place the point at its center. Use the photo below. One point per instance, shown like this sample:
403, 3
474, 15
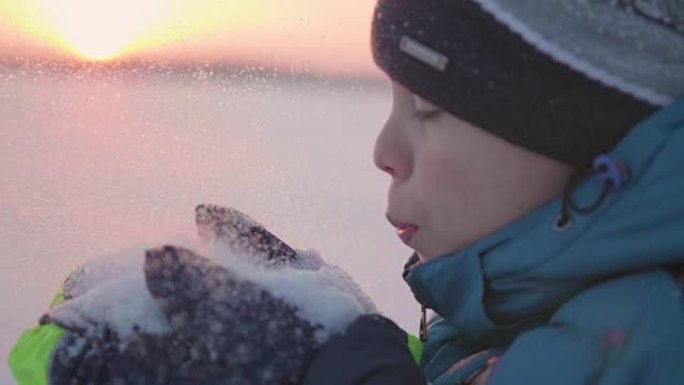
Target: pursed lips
405, 231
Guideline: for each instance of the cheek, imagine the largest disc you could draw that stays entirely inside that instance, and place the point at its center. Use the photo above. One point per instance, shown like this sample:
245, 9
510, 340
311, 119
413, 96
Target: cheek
443, 181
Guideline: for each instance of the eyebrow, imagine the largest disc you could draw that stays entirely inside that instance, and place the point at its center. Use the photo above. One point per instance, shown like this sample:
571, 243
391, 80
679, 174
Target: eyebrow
428, 115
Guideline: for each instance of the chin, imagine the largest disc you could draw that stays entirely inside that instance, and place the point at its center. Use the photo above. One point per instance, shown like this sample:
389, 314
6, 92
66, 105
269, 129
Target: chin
435, 253
429, 249
425, 255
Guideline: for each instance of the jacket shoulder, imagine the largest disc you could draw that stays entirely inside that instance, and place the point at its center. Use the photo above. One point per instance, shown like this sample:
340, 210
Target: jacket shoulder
625, 330
647, 298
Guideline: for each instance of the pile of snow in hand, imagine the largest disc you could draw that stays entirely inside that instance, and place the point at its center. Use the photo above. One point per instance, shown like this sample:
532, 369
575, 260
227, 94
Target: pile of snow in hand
112, 292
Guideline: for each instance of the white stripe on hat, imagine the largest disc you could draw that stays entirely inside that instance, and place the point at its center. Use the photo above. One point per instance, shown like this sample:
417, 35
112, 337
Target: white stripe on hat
568, 58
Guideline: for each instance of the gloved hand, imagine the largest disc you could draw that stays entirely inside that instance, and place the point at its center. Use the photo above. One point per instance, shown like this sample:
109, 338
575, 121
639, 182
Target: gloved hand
221, 330
190, 321
373, 351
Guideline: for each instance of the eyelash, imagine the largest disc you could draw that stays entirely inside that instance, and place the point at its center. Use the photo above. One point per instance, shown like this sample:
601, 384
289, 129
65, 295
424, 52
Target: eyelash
427, 115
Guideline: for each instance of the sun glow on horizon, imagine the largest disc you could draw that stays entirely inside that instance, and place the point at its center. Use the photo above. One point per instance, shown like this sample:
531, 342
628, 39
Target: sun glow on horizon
100, 30
319, 35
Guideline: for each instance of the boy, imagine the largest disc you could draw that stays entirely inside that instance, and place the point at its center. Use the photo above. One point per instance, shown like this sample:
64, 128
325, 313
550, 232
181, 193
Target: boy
534, 150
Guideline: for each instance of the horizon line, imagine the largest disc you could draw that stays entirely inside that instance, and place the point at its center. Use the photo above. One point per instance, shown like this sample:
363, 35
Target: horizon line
141, 66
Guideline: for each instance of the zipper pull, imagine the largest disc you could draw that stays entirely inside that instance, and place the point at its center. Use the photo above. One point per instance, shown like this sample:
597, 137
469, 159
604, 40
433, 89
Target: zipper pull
423, 325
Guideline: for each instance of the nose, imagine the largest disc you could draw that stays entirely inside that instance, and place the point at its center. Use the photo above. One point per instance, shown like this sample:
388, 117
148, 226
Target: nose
392, 153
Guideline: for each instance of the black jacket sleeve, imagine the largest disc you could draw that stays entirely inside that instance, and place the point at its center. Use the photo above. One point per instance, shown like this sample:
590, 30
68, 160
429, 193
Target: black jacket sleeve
373, 351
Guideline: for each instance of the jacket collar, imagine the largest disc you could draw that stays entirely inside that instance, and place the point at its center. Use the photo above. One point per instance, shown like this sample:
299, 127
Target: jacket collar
455, 285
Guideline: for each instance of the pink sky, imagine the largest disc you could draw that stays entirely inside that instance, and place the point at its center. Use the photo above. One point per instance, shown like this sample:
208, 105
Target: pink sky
328, 36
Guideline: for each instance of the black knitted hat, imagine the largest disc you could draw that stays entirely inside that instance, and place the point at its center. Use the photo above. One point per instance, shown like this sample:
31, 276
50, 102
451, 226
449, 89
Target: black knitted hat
529, 73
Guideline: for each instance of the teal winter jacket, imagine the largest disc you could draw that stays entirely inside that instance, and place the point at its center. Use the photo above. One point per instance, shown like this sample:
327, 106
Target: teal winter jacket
594, 302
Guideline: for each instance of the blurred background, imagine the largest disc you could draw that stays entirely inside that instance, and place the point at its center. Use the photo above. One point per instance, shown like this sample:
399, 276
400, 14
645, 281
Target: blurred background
118, 117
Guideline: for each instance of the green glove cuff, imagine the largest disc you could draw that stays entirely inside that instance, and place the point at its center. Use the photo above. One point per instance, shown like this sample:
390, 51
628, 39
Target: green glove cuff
416, 347
29, 360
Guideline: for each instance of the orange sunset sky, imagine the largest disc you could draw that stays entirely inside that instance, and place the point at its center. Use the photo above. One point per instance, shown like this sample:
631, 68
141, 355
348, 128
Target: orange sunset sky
330, 36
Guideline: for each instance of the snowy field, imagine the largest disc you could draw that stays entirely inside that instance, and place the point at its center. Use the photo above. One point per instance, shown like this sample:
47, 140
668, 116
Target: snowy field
91, 165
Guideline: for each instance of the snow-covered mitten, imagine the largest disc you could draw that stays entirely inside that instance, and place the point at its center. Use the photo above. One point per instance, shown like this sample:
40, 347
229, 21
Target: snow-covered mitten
179, 318
228, 231
220, 330
372, 349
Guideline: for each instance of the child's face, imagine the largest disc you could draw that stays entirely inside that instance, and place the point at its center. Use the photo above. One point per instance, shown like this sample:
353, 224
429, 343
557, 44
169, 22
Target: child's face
453, 183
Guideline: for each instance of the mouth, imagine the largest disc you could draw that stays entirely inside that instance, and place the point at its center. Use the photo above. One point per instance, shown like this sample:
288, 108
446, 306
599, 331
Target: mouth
405, 231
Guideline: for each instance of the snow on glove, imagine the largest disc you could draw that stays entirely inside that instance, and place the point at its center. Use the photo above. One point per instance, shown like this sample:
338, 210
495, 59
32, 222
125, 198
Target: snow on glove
242, 235
229, 232
371, 351
221, 330
183, 319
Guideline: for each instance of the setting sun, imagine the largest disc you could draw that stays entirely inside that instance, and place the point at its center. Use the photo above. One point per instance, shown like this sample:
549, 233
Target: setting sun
326, 35
105, 29
100, 30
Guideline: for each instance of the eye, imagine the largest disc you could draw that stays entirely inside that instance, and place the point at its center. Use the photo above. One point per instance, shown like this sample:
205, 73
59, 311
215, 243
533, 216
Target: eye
424, 109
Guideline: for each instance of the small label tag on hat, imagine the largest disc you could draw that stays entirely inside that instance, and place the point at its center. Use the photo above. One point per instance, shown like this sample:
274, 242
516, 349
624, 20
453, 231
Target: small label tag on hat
423, 53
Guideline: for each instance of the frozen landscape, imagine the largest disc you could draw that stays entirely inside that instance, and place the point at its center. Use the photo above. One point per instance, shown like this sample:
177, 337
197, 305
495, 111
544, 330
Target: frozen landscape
92, 164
